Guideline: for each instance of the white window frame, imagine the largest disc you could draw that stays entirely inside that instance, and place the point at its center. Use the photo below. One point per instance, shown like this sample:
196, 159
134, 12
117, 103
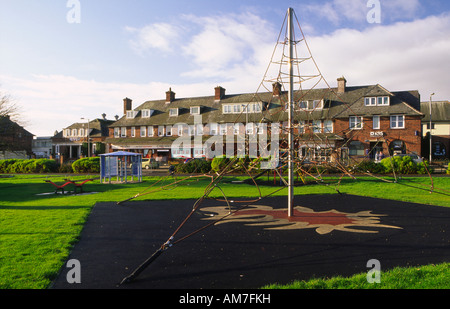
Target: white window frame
169, 130
161, 130
213, 129
173, 112
317, 126
397, 121
146, 113
116, 132
223, 128
227, 109
133, 131
237, 128
376, 122
143, 131
123, 132
195, 110
385, 101
191, 130
377, 101
131, 114
199, 129
328, 126
357, 121
150, 132
250, 128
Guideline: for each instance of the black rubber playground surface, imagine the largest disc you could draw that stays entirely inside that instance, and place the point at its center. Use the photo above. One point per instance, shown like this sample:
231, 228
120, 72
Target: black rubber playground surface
235, 255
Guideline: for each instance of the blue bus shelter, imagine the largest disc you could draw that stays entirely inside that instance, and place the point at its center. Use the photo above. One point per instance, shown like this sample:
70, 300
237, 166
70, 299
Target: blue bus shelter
121, 165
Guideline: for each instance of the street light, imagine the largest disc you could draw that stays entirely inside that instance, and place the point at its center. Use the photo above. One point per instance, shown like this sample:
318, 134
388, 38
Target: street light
431, 127
88, 142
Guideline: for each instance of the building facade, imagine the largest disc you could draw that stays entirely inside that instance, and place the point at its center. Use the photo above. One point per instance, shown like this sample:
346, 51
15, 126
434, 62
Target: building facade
351, 123
15, 141
440, 129
81, 139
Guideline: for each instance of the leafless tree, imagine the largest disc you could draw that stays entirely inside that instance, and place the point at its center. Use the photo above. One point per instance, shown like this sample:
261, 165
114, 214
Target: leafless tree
8, 107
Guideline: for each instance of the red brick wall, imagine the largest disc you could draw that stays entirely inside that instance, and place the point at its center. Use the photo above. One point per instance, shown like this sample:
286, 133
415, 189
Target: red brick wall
411, 134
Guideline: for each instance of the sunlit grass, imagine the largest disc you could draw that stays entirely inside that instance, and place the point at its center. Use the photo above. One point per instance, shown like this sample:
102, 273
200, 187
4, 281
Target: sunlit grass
37, 232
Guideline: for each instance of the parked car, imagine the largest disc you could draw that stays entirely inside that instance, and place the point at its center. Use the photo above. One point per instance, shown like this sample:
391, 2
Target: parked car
148, 163
415, 158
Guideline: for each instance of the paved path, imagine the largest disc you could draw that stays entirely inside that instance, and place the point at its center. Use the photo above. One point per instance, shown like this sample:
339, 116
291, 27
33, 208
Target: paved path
329, 235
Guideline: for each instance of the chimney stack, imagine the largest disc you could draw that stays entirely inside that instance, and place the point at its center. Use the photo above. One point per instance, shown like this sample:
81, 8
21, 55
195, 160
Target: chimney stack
219, 93
342, 83
170, 96
127, 105
104, 116
276, 89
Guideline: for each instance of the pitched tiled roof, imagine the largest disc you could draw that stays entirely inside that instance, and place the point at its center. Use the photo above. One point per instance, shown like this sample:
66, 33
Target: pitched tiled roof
440, 111
99, 127
340, 105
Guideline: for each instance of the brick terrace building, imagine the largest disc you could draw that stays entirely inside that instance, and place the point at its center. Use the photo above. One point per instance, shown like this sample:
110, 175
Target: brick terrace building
351, 122
15, 141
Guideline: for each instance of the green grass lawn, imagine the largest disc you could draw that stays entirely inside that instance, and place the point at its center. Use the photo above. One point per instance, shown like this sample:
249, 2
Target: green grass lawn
37, 232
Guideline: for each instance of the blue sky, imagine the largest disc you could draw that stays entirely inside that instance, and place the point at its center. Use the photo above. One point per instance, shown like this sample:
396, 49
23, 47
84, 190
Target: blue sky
60, 71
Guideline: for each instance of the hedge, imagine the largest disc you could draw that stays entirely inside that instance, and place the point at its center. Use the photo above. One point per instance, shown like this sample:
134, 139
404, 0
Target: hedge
194, 166
86, 165
401, 165
32, 166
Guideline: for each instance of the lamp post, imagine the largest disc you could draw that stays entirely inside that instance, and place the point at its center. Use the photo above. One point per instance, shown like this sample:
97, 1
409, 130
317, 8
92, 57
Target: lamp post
431, 128
88, 139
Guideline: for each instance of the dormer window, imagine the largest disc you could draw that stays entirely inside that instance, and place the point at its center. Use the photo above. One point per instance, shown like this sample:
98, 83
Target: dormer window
377, 101
131, 114
310, 105
195, 110
146, 113
173, 112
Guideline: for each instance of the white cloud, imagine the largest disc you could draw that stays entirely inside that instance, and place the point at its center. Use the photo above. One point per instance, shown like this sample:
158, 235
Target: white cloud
225, 43
402, 56
159, 36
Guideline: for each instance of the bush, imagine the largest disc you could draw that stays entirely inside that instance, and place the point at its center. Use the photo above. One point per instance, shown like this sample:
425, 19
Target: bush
194, 166
15, 166
5, 165
403, 165
370, 166
218, 163
86, 165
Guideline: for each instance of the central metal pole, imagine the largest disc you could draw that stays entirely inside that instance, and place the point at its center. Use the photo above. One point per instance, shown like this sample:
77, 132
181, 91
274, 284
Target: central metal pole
431, 129
290, 114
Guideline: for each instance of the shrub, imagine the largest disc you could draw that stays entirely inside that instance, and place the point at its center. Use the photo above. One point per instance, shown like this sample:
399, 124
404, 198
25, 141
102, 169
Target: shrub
218, 163
44, 166
15, 166
403, 165
194, 166
370, 166
5, 165
86, 165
